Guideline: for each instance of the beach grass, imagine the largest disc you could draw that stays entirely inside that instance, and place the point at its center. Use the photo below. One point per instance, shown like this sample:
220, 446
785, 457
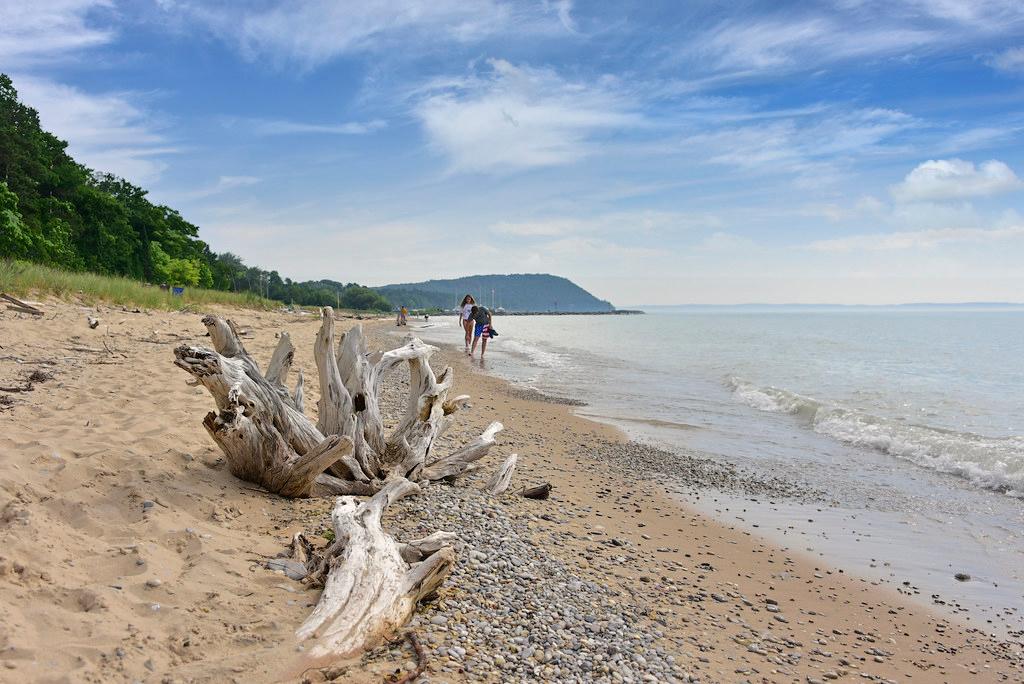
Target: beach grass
20, 278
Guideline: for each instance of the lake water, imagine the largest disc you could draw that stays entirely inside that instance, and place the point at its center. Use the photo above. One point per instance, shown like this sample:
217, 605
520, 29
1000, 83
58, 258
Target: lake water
911, 422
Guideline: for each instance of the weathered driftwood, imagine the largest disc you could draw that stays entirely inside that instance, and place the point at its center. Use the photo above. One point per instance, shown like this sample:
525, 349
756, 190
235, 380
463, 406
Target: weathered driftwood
371, 589
261, 427
502, 477
542, 491
371, 581
20, 306
456, 463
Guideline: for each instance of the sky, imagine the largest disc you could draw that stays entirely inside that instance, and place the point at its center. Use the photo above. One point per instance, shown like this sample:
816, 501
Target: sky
852, 151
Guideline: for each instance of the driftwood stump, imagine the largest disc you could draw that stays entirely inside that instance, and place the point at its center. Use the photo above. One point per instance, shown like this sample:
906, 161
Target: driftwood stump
267, 438
371, 581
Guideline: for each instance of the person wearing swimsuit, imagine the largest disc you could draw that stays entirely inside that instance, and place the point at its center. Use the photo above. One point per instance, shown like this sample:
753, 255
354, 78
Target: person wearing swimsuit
467, 322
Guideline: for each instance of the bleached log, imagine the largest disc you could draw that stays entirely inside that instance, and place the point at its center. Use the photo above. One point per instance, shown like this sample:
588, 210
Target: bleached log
299, 395
455, 463
222, 375
329, 485
258, 453
281, 362
257, 412
409, 445
502, 477
224, 337
335, 405
418, 549
371, 590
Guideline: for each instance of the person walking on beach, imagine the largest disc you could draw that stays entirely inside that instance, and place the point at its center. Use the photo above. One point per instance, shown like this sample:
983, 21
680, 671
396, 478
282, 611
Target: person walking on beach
466, 311
481, 328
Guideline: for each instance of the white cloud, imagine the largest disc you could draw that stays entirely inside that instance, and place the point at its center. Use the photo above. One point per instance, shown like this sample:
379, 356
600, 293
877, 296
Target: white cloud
1011, 60
770, 44
507, 117
313, 32
807, 146
813, 35
980, 137
563, 8
106, 132
33, 32
223, 184
879, 242
945, 179
983, 15
278, 127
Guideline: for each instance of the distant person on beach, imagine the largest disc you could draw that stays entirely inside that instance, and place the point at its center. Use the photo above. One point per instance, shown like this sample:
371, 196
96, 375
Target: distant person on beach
466, 309
481, 318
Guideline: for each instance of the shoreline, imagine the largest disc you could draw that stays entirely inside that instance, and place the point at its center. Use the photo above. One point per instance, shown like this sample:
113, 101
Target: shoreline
125, 536
827, 596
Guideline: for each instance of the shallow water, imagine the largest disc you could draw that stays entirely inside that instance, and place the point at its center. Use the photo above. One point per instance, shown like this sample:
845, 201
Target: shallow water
911, 421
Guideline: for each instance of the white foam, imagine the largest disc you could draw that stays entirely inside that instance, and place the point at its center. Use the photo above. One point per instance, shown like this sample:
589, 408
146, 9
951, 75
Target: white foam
536, 355
991, 462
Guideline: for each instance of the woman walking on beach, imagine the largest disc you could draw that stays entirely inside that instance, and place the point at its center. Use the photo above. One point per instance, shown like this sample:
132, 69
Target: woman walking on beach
466, 309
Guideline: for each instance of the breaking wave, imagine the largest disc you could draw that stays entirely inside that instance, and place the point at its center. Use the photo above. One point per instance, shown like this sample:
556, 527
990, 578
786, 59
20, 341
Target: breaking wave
992, 462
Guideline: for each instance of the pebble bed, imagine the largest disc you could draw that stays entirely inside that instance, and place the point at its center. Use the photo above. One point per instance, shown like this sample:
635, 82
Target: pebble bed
693, 472
531, 394
509, 612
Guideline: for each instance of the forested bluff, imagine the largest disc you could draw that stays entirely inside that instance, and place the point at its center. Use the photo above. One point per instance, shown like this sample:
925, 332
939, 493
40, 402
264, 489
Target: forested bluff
58, 212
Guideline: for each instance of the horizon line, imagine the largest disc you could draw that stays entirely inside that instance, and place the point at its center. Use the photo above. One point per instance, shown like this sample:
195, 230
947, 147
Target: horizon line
832, 304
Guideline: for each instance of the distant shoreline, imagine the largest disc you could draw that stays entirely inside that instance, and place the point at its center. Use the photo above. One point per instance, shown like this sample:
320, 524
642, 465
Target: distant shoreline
617, 312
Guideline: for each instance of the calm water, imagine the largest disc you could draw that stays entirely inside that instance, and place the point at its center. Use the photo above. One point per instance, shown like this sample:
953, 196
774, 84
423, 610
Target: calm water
912, 422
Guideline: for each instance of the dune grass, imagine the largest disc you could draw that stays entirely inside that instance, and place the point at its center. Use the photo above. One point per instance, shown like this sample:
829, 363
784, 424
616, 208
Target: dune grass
20, 278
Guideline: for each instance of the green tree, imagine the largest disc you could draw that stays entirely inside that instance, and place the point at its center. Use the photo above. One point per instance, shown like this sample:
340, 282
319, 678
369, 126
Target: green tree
15, 240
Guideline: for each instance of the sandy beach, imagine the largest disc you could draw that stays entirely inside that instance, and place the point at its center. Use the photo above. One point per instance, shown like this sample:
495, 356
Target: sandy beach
129, 553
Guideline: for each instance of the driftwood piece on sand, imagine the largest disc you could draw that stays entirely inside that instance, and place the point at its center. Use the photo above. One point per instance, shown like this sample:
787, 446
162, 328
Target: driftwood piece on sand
261, 427
502, 477
542, 491
18, 305
371, 581
371, 589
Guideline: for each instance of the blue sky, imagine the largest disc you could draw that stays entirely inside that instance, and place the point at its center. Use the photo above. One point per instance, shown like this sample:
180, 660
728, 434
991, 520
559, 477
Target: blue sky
853, 151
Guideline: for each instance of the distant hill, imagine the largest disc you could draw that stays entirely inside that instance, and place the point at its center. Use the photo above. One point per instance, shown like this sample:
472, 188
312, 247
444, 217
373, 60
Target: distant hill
516, 292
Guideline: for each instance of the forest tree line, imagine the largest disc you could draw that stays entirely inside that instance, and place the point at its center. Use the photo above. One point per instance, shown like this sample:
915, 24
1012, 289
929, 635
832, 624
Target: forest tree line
58, 212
